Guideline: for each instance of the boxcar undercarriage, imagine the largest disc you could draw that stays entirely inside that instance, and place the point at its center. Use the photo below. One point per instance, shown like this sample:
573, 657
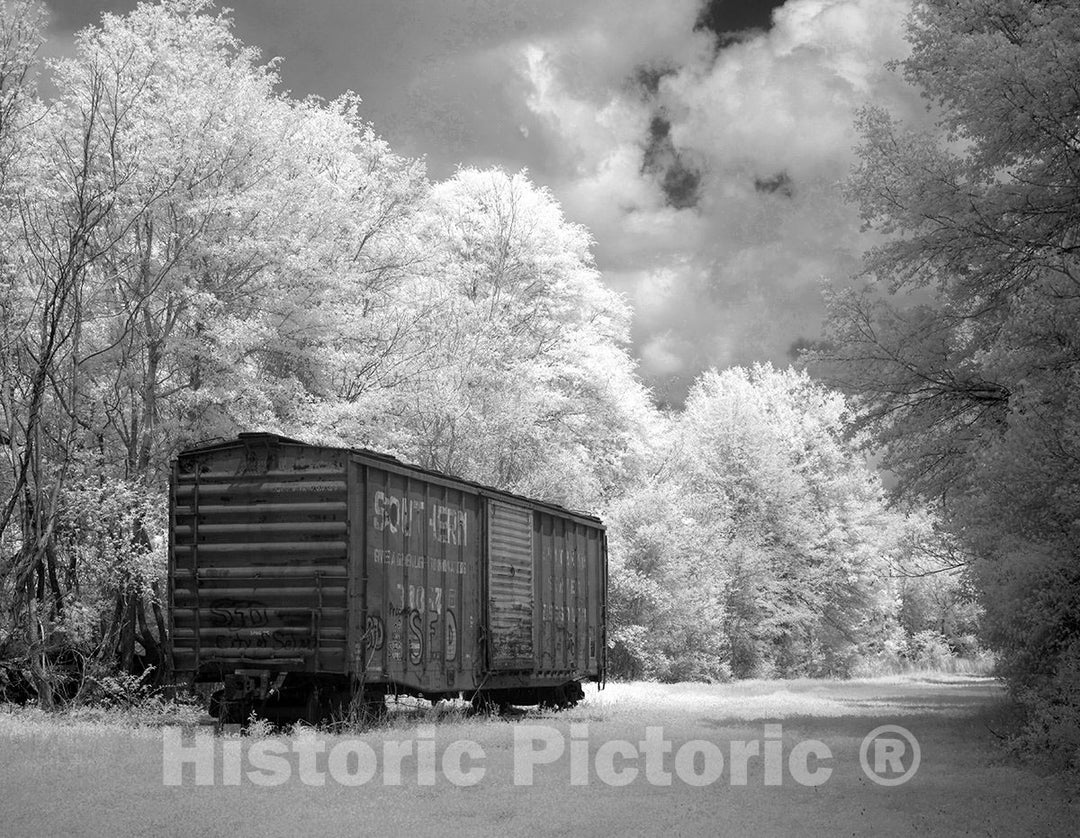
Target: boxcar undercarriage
284, 698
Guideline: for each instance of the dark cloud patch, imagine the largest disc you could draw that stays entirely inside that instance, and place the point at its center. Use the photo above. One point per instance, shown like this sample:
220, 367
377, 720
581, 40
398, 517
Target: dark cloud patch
678, 177
802, 345
778, 184
681, 185
648, 79
723, 17
659, 136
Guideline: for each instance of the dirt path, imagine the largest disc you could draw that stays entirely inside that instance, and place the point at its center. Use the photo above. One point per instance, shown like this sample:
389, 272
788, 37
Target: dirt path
756, 758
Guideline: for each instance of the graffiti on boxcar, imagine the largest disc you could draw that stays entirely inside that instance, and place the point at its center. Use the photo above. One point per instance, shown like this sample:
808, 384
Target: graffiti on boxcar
451, 636
434, 652
419, 619
277, 639
515, 642
394, 646
374, 633
281, 640
416, 637
235, 614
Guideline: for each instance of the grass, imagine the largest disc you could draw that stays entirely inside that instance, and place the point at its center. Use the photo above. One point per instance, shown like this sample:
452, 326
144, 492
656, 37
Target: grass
96, 775
982, 664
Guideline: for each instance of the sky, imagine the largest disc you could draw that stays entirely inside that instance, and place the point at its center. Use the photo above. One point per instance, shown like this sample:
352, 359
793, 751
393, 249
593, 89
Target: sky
702, 142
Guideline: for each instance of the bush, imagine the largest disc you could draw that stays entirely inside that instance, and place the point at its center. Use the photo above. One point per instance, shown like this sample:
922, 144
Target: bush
929, 649
1051, 711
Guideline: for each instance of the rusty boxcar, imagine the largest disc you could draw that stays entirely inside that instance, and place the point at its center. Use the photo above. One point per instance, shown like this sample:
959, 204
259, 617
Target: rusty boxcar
302, 576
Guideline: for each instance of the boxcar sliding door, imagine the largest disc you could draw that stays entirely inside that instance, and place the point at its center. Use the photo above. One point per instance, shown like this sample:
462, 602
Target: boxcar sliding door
510, 587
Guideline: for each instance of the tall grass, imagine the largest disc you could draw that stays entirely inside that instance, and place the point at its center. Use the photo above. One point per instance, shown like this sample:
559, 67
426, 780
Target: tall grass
982, 664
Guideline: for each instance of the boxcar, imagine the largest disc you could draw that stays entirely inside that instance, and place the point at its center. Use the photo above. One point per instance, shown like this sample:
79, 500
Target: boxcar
304, 578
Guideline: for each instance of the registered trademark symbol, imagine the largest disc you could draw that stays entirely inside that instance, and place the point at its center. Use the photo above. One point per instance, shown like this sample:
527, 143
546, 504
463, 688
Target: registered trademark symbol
893, 747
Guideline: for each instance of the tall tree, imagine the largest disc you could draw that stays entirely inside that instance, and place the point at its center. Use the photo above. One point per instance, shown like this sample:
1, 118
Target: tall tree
37, 322
22, 24
188, 252
518, 372
964, 347
764, 524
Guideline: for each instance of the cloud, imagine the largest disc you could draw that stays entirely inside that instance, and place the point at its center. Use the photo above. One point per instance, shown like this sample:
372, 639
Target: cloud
704, 161
709, 173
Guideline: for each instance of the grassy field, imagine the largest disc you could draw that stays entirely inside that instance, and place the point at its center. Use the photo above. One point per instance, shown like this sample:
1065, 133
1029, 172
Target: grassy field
81, 776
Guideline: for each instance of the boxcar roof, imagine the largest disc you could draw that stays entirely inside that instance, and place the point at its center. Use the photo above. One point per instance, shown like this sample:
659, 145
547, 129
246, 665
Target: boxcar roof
386, 459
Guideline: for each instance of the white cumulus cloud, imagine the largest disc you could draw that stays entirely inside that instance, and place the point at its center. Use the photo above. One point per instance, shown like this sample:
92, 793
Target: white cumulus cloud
709, 176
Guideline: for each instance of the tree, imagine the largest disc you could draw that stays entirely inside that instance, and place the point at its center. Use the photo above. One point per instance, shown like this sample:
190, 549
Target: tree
58, 200
21, 26
764, 525
27, 571
666, 588
518, 373
963, 349
188, 252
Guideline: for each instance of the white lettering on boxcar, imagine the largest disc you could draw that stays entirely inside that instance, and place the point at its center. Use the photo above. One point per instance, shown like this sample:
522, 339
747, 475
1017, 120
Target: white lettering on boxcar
396, 513
449, 525
396, 558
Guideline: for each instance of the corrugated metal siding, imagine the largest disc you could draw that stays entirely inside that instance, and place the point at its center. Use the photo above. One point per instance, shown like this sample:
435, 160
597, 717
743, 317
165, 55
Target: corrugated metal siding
510, 586
315, 559
259, 559
570, 570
